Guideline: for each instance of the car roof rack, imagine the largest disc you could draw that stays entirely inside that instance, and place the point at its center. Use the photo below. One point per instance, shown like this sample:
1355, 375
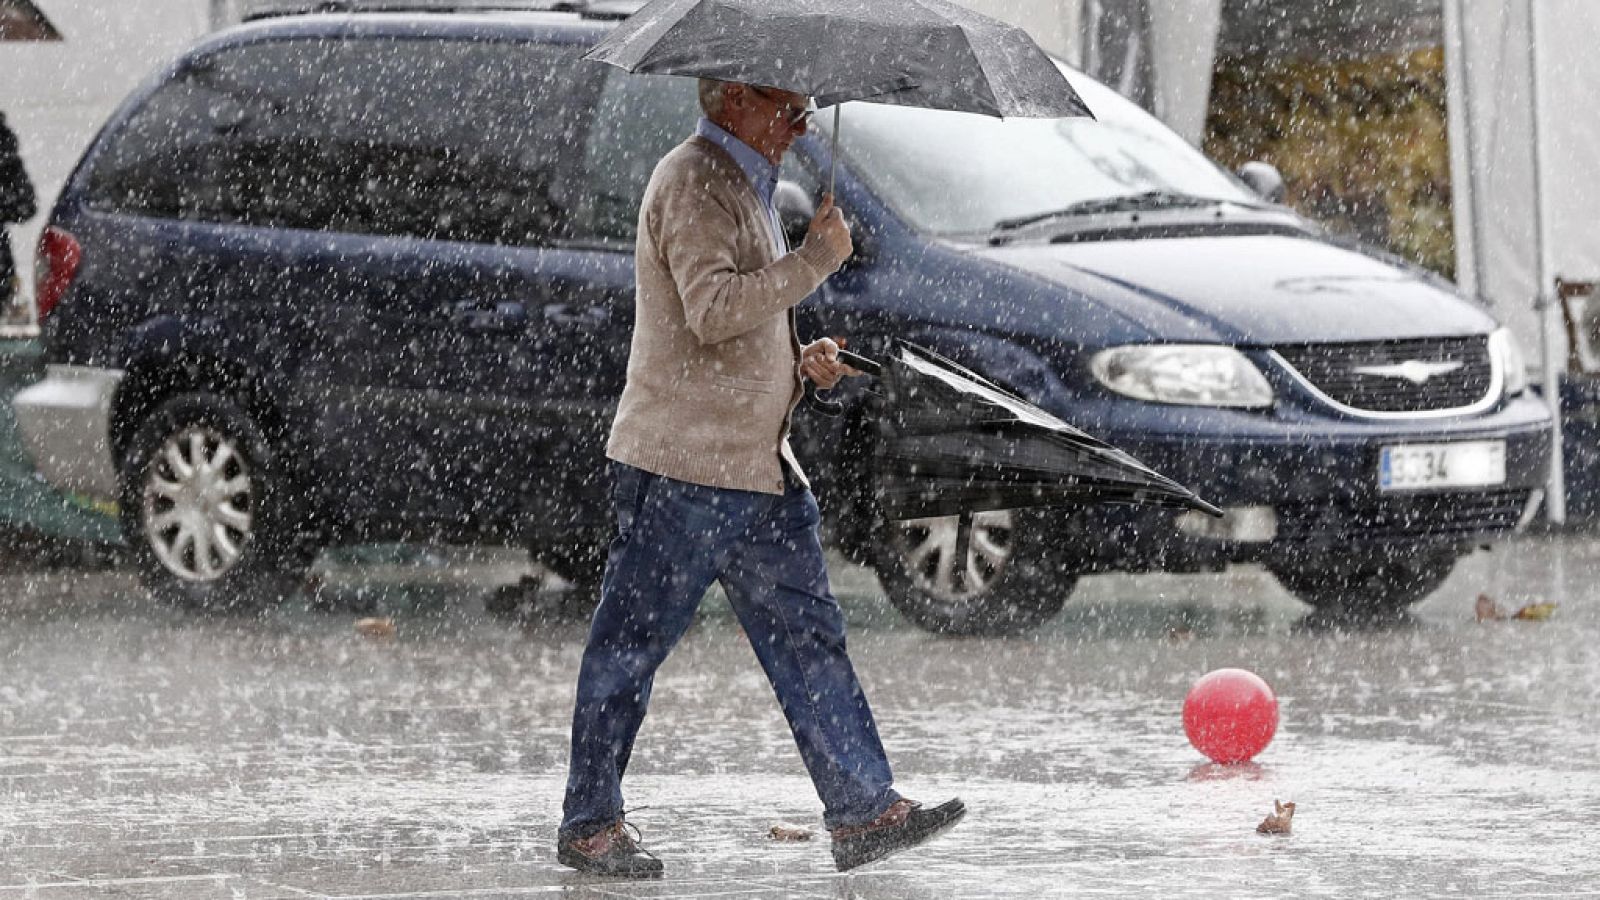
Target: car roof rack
252, 10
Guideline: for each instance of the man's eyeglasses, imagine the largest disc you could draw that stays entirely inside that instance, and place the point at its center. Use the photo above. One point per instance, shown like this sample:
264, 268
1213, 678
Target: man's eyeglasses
793, 114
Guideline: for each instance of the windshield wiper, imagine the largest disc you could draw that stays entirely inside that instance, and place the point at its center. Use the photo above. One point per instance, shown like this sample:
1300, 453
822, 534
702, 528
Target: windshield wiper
1147, 200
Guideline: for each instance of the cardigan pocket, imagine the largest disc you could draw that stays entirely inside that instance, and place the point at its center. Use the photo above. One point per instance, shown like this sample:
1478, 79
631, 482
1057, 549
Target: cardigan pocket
748, 385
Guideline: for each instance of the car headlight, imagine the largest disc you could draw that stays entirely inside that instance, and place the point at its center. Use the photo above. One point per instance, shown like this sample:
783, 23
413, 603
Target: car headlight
1504, 347
1190, 374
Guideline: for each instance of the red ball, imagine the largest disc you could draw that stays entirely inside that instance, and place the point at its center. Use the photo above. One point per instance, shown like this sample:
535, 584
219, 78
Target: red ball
1230, 715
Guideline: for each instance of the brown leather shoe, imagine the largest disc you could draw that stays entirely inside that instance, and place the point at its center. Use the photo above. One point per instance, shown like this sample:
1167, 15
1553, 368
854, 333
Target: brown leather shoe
610, 851
904, 825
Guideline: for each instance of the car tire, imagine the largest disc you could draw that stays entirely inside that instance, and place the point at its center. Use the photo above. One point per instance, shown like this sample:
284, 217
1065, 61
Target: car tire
208, 510
1010, 583
1365, 584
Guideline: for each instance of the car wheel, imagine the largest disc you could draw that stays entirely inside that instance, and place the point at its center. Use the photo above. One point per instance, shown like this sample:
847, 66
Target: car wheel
983, 573
206, 508
1365, 584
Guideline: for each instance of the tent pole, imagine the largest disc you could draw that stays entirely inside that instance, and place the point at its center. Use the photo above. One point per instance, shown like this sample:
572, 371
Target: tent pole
1459, 121
1545, 301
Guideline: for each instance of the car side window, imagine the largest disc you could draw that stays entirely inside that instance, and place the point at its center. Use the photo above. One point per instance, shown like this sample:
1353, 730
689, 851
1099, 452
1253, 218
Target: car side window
638, 120
442, 140
186, 153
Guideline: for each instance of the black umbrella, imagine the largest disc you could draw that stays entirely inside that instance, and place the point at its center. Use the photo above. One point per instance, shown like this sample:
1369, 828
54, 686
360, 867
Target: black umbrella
951, 442
928, 53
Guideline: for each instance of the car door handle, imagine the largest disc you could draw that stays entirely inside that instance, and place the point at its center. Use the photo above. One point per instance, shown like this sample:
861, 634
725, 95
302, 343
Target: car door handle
586, 318
508, 315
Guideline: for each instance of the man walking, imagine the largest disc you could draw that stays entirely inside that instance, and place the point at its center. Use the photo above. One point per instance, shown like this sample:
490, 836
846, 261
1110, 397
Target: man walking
708, 489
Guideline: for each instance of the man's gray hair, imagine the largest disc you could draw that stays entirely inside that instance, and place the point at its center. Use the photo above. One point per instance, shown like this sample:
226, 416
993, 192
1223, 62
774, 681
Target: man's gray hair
711, 97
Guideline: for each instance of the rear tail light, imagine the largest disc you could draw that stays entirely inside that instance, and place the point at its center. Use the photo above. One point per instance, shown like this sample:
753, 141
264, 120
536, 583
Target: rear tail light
56, 266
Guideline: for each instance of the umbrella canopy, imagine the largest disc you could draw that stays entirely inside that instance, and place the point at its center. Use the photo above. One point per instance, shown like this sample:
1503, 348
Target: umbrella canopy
952, 442
912, 52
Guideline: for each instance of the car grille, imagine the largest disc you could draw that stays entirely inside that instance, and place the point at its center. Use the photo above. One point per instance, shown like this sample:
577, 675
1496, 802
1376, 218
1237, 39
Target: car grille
1333, 370
1463, 515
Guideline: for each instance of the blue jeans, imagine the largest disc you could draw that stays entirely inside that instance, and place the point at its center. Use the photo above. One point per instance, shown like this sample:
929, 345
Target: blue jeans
673, 540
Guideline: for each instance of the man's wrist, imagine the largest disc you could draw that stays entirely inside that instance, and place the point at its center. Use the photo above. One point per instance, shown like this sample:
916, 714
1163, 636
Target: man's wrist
820, 255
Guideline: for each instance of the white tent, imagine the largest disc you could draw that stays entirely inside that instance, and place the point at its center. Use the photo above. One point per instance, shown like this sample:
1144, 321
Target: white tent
1525, 144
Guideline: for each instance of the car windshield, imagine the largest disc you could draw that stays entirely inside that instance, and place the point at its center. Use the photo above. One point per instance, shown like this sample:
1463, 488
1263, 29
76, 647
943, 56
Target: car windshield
957, 173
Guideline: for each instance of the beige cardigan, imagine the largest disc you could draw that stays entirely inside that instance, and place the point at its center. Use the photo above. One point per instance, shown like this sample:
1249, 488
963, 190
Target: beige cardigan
713, 373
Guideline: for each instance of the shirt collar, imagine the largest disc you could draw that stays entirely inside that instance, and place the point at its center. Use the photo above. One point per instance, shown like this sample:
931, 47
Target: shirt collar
763, 175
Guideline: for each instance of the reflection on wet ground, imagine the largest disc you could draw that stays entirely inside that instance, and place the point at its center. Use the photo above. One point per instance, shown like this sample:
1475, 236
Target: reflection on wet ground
146, 752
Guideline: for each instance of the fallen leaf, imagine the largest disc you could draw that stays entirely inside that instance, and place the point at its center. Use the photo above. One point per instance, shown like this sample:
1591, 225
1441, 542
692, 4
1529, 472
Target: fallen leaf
783, 831
1487, 610
1535, 612
379, 629
1278, 822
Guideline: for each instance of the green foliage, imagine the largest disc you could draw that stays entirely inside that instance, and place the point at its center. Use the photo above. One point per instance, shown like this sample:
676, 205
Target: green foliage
1362, 143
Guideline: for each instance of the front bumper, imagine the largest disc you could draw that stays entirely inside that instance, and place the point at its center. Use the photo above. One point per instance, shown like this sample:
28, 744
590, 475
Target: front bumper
1301, 484
65, 421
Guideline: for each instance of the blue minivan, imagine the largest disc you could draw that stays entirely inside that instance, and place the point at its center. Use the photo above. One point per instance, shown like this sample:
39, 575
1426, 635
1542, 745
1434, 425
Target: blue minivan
350, 277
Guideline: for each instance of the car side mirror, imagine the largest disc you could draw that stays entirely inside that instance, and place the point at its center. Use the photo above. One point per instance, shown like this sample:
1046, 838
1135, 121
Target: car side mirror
795, 209
1263, 178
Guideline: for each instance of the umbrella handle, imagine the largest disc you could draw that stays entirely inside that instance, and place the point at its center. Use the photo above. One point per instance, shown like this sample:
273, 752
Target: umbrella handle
833, 408
861, 363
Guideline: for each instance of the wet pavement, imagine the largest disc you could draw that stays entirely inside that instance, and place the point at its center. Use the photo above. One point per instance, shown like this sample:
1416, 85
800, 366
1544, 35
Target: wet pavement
145, 752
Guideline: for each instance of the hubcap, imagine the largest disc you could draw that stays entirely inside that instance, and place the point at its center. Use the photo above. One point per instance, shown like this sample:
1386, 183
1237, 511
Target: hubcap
198, 504
956, 558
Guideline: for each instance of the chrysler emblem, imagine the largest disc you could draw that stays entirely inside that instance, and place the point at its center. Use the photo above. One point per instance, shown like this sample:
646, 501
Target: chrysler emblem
1413, 370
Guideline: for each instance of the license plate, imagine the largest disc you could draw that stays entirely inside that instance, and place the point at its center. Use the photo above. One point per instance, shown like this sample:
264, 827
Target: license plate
1421, 467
